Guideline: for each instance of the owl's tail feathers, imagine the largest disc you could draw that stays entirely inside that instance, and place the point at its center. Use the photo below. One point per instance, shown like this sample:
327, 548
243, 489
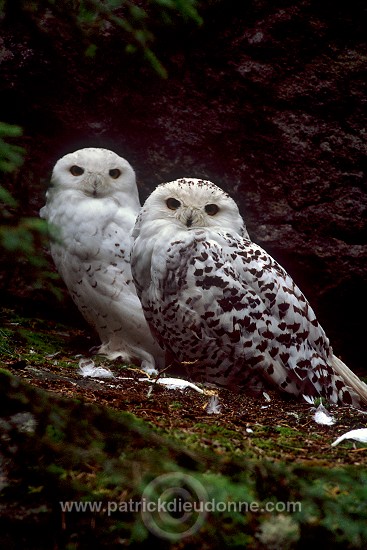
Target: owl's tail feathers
351, 380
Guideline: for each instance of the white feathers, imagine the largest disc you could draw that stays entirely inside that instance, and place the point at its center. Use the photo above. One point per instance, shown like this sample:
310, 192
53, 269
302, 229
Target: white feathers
310, 399
93, 202
173, 383
88, 369
214, 407
322, 416
357, 435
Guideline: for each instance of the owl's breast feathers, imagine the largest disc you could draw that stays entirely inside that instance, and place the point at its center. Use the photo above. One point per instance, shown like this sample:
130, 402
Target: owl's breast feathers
90, 228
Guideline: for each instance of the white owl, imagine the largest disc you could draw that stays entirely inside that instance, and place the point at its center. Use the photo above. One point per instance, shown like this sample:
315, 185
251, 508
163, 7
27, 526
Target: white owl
93, 203
222, 306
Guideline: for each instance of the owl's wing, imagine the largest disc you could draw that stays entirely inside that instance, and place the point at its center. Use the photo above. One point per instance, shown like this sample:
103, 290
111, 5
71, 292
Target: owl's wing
225, 304
292, 319
247, 286
300, 342
295, 348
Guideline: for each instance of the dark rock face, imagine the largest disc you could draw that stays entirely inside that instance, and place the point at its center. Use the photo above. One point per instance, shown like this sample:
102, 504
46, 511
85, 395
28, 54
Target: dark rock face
266, 99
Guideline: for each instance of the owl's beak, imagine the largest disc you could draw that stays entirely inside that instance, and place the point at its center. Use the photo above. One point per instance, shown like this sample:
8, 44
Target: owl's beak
95, 184
191, 216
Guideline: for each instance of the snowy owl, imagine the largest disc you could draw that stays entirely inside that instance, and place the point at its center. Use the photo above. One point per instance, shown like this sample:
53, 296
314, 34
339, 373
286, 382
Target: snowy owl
222, 306
93, 203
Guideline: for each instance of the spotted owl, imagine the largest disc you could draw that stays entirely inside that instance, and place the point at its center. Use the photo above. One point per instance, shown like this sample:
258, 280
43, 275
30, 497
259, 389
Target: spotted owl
219, 304
92, 203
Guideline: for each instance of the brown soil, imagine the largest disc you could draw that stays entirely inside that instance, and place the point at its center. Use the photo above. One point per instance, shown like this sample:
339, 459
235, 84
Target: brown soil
281, 428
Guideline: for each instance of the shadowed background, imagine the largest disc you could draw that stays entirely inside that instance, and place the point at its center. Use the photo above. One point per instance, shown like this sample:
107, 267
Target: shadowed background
266, 99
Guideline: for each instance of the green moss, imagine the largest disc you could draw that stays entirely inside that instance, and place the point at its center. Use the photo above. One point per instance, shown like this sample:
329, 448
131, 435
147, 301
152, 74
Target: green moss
6, 344
31, 340
77, 451
176, 405
54, 434
111, 456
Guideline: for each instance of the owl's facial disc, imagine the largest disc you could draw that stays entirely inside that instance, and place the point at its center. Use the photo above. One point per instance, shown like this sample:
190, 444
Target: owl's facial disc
190, 215
93, 183
190, 203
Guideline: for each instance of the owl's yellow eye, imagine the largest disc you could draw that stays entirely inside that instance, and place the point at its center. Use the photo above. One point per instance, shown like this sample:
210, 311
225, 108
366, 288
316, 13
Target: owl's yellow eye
173, 204
76, 170
115, 173
211, 209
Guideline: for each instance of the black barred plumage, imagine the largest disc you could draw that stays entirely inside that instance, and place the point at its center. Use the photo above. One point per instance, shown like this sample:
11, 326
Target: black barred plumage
221, 305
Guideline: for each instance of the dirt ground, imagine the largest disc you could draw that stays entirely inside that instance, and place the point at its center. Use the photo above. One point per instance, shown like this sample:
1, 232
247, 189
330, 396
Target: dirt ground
271, 426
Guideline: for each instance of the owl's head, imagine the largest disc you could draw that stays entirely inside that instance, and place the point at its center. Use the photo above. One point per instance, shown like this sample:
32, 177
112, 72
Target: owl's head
95, 172
193, 203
